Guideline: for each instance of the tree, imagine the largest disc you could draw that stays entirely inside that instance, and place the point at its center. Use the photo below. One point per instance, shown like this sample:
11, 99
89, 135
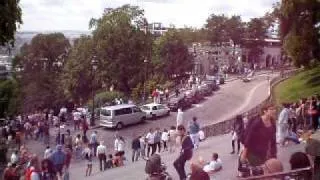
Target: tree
10, 18
77, 75
256, 31
216, 26
174, 57
299, 21
121, 46
41, 64
9, 97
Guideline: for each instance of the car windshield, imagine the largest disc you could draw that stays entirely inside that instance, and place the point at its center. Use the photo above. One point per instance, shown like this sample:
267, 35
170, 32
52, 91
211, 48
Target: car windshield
105, 112
145, 108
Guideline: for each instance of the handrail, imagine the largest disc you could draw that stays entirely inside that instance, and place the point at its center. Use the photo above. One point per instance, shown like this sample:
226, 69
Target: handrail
292, 173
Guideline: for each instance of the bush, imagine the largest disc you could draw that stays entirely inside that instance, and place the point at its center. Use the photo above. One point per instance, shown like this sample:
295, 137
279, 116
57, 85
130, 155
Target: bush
107, 97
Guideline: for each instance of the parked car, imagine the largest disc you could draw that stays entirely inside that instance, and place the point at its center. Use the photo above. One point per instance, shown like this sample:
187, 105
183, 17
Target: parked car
212, 84
154, 110
220, 79
205, 90
194, 96
121, 115
179, 102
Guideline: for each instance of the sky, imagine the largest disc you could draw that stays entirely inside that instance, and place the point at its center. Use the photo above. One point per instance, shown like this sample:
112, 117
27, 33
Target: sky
55, 15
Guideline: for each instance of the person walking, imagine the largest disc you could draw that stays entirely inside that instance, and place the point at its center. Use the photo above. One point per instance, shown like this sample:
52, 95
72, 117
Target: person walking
179, 117
119, 149
150, 141
283, 126
102, 156
165, 139
88, 156
238, 130
185, 153
194, 129
94, 142
172, 139
58, 158
157, 139
142, 141
135, 145
260, 138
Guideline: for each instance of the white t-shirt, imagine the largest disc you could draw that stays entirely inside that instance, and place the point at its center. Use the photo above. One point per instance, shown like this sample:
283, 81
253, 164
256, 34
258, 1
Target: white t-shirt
172, 134
118, 145
201, 135
150, 138
14, 158
47, 153
76, 116
101, 149
165, 136
213, 166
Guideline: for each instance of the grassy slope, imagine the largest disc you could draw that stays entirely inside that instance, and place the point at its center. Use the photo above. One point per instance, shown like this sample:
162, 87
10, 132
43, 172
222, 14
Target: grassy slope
304, 84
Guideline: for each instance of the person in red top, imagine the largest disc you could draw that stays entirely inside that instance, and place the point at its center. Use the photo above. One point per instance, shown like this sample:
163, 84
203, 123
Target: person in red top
155, 95
10, 173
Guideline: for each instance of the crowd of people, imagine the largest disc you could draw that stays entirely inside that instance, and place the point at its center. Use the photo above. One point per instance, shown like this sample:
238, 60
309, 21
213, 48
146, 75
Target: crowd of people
255, 140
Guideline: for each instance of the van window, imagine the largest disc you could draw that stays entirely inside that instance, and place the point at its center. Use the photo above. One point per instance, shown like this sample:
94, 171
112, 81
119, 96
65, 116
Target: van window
105, 112
123, 111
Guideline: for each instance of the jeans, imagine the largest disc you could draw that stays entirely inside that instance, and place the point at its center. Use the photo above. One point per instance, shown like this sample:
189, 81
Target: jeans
195, 139
151, 147
135, 154
179, 164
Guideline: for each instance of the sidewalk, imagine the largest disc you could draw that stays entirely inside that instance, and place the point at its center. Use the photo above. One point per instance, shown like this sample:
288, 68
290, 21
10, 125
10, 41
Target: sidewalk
220, 144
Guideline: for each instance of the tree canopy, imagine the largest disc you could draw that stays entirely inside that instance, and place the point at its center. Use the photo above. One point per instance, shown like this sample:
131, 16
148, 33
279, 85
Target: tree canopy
10, 18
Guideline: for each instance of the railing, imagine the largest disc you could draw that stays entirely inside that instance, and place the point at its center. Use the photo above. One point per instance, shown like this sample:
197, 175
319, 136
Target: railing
297, 174
225, 126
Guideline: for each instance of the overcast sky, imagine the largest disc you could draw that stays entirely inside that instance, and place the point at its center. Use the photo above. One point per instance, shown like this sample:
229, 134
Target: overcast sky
39, 15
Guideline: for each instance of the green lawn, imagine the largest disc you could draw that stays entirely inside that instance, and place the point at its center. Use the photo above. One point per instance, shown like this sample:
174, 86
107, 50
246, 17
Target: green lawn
302, 85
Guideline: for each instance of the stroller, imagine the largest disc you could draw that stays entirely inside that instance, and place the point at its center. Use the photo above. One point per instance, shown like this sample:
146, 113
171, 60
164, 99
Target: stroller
155, 169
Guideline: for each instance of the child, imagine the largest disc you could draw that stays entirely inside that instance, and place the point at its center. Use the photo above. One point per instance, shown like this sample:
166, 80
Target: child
109, 163
88, 156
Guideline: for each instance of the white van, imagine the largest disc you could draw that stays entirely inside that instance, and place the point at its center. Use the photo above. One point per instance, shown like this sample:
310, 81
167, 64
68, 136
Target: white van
121, 115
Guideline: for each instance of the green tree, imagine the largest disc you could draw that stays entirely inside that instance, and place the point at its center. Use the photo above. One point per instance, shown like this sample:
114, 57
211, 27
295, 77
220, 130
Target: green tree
10, 18
299, 20
41, 64
216, 27
255, 33
9, 97
174, 57
77, 74
121, 46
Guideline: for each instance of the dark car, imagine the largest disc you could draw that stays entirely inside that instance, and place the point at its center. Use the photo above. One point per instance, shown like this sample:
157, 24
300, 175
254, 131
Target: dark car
194, 96
205, 90
212, 84
179, 102
220, 79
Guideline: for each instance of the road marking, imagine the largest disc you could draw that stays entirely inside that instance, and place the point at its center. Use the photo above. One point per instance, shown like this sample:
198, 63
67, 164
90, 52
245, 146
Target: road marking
245, 104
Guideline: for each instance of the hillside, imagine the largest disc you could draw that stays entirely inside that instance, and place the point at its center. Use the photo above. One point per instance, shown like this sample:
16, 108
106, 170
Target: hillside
302, 85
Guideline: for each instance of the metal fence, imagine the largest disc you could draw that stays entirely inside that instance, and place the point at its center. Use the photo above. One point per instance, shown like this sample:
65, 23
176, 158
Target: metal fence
225, 126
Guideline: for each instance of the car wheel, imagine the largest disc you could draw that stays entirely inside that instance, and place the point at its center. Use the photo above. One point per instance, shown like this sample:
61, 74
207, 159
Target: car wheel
119, 126
168, 113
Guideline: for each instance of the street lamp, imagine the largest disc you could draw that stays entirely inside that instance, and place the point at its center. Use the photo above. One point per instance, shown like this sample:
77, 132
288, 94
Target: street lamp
145, 80
94, 64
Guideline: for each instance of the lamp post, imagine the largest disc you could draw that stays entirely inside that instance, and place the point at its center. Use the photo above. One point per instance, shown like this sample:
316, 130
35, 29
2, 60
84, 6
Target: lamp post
94, 65
145, 80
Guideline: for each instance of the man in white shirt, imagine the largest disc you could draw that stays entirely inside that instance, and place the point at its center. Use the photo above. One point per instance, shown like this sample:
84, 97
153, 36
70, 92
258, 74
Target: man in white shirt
47, 153
14, 157
214, 165
76, 119
151, 144
102, 155
179, 117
